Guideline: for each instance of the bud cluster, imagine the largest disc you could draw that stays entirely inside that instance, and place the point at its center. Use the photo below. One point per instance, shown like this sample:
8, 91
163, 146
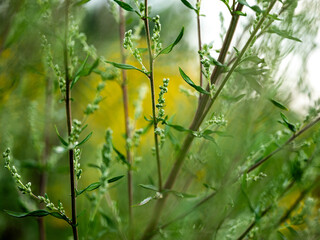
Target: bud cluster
157, 46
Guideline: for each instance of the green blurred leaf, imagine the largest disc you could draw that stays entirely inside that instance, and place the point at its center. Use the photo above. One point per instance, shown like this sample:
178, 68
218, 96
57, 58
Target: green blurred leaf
84, 140
149, 187
191, 83
179, 128
255, 8
37, 213
121, 156
286, 123
171, 46
125, 6
91, 187
189, 5
279, 105
252, 58
125, 66
60, 138
282, 33
114, 179
240, 13
79, 73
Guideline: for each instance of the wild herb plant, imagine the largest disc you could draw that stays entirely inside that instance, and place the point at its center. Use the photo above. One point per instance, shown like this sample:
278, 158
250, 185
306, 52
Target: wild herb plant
228, 175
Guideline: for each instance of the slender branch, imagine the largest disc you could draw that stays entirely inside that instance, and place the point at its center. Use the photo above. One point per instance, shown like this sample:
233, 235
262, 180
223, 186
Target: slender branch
124, 88
69, 123
151, 78
293, 137
199, 46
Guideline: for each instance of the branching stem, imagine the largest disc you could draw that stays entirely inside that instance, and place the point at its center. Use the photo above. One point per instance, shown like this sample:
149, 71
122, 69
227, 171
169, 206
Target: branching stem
124, 88
69, 123
151, 78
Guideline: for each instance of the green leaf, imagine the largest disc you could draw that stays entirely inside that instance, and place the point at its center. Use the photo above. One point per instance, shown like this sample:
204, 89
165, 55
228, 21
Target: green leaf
211, 139
60, 138
282, 33
187, 4
233, 99
253, 58
149, 187
179, 128
79, 72
111, 180
279, 105
91, 187
254, 8
125, 66
216, 62
84, 140
180, 194
121, 156
36, 213
171, 46
191, 83
286, 123
125, 6
240, 13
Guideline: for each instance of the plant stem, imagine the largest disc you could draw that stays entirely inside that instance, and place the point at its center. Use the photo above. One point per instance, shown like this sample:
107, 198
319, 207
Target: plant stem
199, 47
126, 119
151, 78
293, 137
201, 113
69, 124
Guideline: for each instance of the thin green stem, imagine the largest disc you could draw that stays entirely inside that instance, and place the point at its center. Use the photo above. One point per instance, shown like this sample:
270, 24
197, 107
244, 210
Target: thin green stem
199, 47
124, 88
69, 123
151, 78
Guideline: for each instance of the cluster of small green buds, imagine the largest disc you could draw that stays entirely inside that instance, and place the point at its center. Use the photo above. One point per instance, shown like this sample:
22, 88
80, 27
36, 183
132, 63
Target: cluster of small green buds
75, 132
157, 46
161, 101
255, 178
160, 132
217, 120
198, 4
24, 188
204, 54
128, 44
127, 41
142, 7
136, 137
77, 167
92, 107
45, 199
49, 61
107, 149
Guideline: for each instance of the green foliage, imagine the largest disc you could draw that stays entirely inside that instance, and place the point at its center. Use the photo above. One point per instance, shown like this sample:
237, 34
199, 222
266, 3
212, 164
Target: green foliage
215, 164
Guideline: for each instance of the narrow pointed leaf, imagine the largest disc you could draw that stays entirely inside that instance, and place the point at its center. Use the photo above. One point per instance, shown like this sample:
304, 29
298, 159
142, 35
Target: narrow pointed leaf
279, 105
149, 187
125, 6
84, 140
125, 66
189, 5
121, 156
179, 128
282, 33
111, 180
254, 8
60, 138
171, 46
191, 83
286, 122
36, 213
91, 187
79, 72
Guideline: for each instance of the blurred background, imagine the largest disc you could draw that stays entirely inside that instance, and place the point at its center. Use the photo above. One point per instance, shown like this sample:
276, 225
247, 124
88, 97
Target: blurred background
291, 76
